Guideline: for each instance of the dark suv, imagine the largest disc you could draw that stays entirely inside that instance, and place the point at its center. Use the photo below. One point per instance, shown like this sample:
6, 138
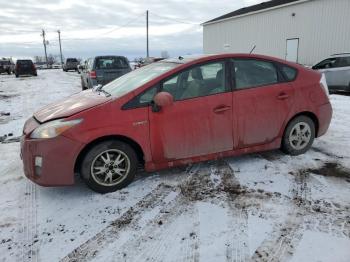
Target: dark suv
70, 64
6, 66
25, 67
101, 70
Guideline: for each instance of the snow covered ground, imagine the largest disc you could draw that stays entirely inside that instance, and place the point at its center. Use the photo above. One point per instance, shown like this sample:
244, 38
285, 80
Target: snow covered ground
260, 207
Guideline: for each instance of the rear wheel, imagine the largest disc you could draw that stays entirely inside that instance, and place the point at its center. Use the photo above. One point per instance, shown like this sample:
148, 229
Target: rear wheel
298, 136
109, 166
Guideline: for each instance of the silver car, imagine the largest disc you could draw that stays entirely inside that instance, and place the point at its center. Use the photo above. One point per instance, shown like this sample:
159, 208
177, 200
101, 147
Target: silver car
337, 71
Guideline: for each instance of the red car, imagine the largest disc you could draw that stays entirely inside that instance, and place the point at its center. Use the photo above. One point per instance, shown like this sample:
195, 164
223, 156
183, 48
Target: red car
176, 112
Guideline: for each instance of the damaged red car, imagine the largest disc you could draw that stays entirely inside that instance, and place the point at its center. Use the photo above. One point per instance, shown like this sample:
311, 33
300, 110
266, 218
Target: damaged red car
175, 112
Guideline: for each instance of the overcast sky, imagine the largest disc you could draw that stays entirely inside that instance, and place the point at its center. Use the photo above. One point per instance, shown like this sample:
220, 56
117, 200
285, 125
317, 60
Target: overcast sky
107, 26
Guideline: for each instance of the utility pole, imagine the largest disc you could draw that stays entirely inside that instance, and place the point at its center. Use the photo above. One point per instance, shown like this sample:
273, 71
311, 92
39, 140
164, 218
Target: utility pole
44, 42
147, 33
59, 40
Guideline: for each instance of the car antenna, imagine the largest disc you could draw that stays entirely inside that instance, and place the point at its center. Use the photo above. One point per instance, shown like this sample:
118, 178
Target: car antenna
251, 51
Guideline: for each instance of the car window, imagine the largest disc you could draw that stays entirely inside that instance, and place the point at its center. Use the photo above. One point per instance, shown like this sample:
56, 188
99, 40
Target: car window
327, 63
24, 62
198, 81
143, 99
72, 60
342, 62
111, 63
251, 73
289, 72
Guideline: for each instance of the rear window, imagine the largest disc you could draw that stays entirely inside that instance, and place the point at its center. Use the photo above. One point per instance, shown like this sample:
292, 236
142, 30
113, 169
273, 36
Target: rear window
4, 62
24, 62
289, 72
111, 63
72, 60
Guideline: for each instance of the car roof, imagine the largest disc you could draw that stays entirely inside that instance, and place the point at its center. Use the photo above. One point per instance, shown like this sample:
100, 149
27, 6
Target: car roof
341, 55
209, 57
102, 56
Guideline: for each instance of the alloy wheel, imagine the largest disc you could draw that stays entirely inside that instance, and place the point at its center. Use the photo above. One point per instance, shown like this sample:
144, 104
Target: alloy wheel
300, 136
110, 167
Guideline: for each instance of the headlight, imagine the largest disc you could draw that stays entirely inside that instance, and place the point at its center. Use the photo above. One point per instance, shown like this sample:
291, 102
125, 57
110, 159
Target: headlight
53, 128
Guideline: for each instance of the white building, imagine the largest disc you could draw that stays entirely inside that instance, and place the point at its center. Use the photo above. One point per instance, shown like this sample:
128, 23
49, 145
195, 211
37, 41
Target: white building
303, 31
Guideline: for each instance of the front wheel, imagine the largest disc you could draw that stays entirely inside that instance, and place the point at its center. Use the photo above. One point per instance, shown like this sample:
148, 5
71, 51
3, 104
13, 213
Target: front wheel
298, 136
109, 166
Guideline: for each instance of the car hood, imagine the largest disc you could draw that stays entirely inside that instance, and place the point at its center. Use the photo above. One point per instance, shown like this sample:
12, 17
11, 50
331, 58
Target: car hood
70, 106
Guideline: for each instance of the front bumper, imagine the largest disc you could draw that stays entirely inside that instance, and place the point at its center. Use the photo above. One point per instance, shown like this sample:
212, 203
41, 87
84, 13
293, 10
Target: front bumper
58, 159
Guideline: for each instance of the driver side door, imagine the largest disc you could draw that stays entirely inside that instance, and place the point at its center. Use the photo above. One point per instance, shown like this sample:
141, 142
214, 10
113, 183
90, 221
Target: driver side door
199, 122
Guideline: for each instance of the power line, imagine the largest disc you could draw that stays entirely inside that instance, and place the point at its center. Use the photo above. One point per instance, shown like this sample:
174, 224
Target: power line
173, 19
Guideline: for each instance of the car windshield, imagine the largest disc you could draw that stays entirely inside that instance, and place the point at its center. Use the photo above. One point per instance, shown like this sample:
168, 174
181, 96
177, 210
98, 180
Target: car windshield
137, 78
72, 60
112, 62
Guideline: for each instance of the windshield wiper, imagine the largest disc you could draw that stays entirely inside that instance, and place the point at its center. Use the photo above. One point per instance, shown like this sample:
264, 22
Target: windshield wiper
99, 90
104, 91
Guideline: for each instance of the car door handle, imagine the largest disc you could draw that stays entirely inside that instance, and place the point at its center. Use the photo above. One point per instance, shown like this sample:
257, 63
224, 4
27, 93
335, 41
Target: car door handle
221, 109
282, 96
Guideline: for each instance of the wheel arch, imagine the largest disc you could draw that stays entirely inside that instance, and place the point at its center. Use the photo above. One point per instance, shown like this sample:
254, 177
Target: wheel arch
138, 150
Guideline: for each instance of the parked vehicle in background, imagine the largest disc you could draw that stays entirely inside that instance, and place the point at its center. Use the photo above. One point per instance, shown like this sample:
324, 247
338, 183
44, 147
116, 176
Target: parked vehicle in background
25, 67
175, 112
70, 64
101, 70
6, 66
42, 65
56, 66
337, 71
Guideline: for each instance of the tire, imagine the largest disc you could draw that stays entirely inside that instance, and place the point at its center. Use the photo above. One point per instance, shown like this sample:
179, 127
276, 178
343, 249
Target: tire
16, 75
99, 164
9, 72
297, 141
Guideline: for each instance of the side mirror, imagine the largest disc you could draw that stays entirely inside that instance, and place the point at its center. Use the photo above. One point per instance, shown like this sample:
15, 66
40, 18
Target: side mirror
162, 99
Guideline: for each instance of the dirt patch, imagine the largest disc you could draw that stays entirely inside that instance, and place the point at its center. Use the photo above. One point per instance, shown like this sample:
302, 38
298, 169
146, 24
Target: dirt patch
331, 169
217, 181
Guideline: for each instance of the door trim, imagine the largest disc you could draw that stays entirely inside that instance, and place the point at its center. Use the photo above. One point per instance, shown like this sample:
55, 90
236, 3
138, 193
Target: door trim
295, 38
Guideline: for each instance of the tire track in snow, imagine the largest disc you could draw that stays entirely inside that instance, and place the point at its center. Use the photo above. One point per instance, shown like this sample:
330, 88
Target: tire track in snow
237, 243
286, 236
155, 243
28, 234
130, 218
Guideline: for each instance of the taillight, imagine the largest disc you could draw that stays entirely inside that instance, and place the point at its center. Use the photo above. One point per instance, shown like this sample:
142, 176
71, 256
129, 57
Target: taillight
92, 74
323, 84
17, 66
33, 67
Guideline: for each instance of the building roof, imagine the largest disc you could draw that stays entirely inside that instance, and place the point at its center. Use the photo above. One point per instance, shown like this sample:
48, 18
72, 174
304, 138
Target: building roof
253, 8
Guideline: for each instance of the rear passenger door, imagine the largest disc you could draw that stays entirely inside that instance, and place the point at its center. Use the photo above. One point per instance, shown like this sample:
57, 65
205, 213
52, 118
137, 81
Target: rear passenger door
262, 100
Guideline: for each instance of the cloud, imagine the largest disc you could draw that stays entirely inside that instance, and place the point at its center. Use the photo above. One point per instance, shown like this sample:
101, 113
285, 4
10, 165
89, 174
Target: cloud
92, 27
